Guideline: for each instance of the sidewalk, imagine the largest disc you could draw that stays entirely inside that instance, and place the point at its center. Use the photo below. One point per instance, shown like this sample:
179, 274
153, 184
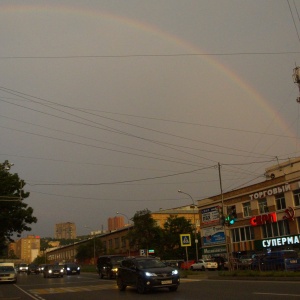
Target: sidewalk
215, 276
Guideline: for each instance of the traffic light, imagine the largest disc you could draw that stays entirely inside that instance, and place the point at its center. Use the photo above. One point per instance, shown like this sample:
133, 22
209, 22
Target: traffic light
231, 219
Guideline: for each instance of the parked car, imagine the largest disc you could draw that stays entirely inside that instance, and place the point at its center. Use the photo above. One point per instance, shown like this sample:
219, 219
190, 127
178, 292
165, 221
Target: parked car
186, 265
221, 261
71, 268
33, 269
8, 273
22, 268
204, 264
245, 262
53, 271
278, 260
107, 265
146, 273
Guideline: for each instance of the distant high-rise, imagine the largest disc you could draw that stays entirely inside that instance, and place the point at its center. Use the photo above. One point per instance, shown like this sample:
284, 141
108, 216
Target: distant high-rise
115, 223
65, 231
28, 248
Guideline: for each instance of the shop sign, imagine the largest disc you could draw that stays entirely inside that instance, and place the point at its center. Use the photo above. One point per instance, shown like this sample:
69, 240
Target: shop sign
270, 192
279, 241
263, 219
214, 250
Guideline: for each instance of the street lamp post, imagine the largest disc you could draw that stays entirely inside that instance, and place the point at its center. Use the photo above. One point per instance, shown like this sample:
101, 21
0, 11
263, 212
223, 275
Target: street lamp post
196, 240
118, 213
94, 242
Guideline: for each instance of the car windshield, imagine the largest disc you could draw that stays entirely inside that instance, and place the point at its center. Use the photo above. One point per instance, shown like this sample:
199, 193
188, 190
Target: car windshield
6, 269
291, 254
150, 263
71, 265
209, 260
116, 260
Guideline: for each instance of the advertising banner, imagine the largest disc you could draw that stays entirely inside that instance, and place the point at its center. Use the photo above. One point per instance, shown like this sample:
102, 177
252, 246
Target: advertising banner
210, 215
213, 235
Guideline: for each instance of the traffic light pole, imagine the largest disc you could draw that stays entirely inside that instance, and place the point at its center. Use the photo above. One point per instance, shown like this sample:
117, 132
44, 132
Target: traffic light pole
224, 225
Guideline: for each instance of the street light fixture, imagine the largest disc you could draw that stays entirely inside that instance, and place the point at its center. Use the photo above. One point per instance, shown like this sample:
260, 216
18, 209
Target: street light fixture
118, 213
94, 242
196, 240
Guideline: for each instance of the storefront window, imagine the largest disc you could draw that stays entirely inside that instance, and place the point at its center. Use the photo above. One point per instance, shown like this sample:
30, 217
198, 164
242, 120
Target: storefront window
297, 197
280, 201
247, 209
263, 206
242, 234
275, 229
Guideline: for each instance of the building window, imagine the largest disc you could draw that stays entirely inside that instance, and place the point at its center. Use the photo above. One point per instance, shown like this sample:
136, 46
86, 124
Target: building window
117, 243
123, 242
297, 197
247, 209
242, 234
280, 201
263, 206
279, 228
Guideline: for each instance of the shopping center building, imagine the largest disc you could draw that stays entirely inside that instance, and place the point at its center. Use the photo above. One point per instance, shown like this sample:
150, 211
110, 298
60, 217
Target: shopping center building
265, 216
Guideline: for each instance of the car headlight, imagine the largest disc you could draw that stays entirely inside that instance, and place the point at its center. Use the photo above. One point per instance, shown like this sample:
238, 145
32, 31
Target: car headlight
149, 274
62, 270
50, 271
79, 269
68, 269
115, 269
175, 272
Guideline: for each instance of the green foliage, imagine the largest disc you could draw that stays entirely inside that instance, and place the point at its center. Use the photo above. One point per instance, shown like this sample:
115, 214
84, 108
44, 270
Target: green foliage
173, 227
145, 233
15, 215
40, 260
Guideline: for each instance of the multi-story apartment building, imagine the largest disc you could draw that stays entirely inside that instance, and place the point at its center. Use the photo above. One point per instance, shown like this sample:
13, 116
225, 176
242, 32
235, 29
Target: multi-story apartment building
65, 231
115, 223
266, 215
27, 249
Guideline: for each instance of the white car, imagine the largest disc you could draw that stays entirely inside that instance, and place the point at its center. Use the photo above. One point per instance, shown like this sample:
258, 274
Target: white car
8, 273
204, 264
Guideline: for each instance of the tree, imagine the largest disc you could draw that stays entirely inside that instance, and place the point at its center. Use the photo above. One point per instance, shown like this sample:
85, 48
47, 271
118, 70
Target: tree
15, 215
145, 234
173, 227
86, 250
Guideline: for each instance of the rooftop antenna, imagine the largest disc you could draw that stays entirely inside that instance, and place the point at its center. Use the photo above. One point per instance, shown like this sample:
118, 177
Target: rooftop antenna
296, 78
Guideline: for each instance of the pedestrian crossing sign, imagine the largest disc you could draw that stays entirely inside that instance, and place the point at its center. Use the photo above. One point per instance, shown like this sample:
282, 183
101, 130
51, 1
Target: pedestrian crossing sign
185, 240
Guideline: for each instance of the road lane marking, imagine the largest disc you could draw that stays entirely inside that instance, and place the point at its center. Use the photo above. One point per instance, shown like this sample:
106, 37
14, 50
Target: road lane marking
280, 295
74, 289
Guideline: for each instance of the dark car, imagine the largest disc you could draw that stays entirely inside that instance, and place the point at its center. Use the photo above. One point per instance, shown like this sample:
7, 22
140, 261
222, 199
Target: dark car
53, 271
107, 265
33, 269
22, 268
278, 260
146, 274
222, 262
71, 268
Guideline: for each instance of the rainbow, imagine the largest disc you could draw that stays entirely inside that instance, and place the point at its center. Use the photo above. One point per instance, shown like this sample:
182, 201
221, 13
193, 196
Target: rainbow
81, 10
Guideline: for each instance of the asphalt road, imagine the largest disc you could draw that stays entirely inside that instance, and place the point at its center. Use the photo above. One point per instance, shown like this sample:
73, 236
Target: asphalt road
89, 287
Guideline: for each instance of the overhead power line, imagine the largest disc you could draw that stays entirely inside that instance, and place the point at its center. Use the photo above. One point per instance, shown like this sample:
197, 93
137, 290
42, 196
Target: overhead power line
150, 55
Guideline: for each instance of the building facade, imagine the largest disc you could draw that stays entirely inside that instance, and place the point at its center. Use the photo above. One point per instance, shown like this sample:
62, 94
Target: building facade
65, 231
264, 216
27, 249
